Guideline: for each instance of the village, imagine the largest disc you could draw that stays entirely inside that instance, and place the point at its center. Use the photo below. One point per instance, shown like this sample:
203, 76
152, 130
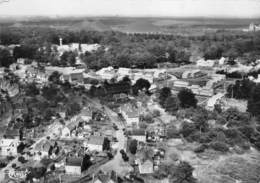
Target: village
121, 133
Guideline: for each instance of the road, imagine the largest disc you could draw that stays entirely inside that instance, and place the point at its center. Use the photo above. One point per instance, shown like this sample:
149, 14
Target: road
117, 164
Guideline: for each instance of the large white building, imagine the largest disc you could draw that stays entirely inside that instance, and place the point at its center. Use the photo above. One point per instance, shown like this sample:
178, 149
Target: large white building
95, 143
73, 165
130, 114
9, 147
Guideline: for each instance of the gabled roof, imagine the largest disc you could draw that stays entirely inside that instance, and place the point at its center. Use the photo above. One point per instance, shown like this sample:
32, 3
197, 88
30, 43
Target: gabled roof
96, 140
103, 179
74, 161
137, 132
12, 133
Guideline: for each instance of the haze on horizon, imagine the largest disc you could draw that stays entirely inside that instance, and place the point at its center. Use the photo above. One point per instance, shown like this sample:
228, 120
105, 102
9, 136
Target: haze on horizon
175, 8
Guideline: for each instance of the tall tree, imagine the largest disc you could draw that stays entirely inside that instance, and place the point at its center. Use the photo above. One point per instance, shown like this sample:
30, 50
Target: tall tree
164, 94
5, 58
254, 102
171, 104
187, 98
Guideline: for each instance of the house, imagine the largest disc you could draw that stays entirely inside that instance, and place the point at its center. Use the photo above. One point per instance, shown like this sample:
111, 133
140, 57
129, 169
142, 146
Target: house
73, 165
86, 114
42, 149
8, 147
67, 130
130, 114
205, 91
12, 134
180, 83
205, 63
77, 77
95, 143
138, 134
120, 96
214, 100
145, 167
102, 178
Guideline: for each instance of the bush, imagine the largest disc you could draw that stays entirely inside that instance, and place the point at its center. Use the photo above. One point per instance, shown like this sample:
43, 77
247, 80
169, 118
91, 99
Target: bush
219, 146
21, 159
156, 113
133, 146
201, 148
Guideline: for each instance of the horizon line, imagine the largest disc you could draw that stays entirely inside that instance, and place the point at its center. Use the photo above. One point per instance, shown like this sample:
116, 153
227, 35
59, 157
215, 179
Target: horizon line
56, 16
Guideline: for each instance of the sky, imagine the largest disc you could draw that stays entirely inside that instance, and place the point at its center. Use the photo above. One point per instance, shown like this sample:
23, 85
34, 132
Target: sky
175, 8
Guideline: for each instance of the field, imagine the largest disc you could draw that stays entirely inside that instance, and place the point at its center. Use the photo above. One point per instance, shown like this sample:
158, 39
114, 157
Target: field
214, 167
183, 26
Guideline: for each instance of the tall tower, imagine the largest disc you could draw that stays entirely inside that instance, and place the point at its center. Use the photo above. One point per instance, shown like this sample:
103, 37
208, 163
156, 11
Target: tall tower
252, 27
60, 41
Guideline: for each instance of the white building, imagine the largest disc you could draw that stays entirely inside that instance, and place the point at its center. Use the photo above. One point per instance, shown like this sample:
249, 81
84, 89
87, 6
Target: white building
139, 135
205, 63
73, 165
179, 83
9, 147
214, 100
145, 167
130, 114
95, 143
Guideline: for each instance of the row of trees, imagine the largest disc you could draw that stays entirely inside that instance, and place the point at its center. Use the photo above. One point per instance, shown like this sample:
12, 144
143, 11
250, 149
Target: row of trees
139, 50
184, 99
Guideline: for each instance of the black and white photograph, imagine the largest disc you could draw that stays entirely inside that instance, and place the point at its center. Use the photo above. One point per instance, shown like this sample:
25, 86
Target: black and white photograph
129, 91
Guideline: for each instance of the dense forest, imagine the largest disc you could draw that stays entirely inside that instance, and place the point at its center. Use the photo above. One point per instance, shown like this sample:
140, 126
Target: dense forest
131, 50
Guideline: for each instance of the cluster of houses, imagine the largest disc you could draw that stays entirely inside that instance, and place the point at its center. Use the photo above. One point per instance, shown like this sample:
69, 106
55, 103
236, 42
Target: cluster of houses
10, 142
76, 47
133, 74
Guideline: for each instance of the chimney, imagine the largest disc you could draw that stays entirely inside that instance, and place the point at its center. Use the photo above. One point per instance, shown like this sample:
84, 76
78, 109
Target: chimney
60, 41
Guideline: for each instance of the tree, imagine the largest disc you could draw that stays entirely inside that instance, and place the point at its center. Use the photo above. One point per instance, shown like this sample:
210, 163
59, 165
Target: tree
68, 58
142, 84
187, 129
31, 89
241, 89
55, 77
86, 162
187, 98
164, 94
171, 105
254, 102
219, 146
133, 146
200, 118
72, 109
106, 144
5, 58
48, 114
183, 173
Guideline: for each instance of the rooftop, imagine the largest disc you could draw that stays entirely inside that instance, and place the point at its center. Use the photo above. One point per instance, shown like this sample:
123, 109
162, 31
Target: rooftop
74, 161
96, 140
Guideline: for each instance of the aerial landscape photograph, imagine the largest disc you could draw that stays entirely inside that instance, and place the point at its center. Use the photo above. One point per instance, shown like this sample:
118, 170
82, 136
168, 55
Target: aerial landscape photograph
129, 91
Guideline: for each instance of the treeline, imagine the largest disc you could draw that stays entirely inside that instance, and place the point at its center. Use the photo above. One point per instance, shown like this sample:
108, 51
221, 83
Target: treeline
134, 50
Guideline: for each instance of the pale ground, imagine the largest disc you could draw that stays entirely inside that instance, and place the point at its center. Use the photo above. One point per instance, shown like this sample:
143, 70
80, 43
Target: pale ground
213, 167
